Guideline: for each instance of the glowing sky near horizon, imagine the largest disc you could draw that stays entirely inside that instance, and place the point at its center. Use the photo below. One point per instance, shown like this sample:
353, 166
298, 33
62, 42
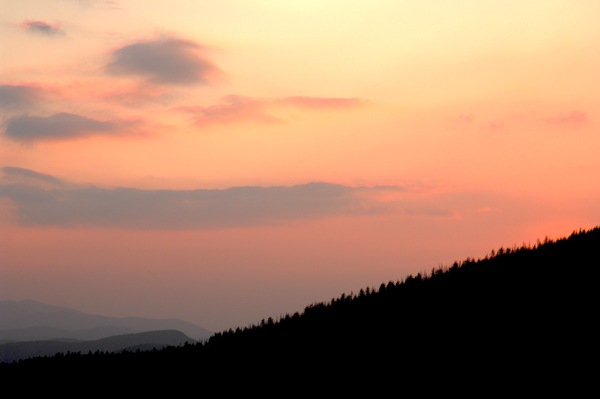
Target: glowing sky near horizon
223, 162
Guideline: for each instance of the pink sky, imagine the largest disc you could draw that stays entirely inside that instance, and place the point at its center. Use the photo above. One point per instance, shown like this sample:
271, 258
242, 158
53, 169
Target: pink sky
223, 162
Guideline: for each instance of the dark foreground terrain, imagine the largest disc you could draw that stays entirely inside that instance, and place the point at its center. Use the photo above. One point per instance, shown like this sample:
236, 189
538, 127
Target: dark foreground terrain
519, 320
149, 340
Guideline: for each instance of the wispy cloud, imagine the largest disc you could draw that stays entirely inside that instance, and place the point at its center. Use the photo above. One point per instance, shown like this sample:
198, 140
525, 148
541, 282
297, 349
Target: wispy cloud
137, 95
239, 109
62, 126
232, 109
171, 61
575, 118
41, 27
112, 5
494, 126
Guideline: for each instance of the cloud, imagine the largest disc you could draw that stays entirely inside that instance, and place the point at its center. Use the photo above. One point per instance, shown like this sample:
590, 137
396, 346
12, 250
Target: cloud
239, 109
191, 209
41, 27
575, 118
18, 97
21, 175
233, 109
170, 61
61, 126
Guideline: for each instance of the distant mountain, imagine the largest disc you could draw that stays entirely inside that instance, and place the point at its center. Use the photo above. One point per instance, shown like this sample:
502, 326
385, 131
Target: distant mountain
30, 320
58, 334
143, 341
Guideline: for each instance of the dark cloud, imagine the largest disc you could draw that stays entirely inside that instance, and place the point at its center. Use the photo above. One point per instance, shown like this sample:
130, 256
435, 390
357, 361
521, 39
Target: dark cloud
238, 109
61, 126
41, 27
164, 62
192, 209
18, 97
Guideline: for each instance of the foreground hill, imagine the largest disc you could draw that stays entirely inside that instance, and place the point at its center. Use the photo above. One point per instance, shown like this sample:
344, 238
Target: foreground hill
519, 315
144, 341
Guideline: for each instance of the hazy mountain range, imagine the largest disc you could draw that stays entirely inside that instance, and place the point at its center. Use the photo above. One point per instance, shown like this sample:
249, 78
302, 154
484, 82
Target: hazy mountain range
29, 328
30, 320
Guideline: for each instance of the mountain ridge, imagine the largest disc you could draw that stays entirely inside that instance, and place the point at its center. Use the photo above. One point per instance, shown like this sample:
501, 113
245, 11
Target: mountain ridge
148, 340
20, 319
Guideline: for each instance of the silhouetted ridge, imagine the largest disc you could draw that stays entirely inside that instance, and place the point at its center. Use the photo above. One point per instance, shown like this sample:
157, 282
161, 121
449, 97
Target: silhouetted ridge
143, 341
511, 316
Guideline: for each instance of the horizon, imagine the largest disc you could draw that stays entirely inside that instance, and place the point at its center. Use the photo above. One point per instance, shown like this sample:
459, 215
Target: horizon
226, 163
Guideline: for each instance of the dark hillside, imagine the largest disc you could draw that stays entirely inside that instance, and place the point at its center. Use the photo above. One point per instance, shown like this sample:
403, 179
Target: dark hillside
521, 314
145, 341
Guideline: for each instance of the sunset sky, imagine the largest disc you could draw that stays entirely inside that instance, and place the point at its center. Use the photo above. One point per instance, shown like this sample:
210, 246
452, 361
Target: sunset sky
226, 161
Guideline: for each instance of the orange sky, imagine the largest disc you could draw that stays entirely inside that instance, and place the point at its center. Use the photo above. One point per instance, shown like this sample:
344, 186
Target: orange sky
222, 162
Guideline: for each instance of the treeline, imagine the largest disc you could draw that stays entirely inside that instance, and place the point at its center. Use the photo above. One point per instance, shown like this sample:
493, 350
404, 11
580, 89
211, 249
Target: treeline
497, 318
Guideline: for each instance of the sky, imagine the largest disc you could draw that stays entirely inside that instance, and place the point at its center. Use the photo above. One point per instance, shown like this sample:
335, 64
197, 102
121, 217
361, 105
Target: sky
224, 162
